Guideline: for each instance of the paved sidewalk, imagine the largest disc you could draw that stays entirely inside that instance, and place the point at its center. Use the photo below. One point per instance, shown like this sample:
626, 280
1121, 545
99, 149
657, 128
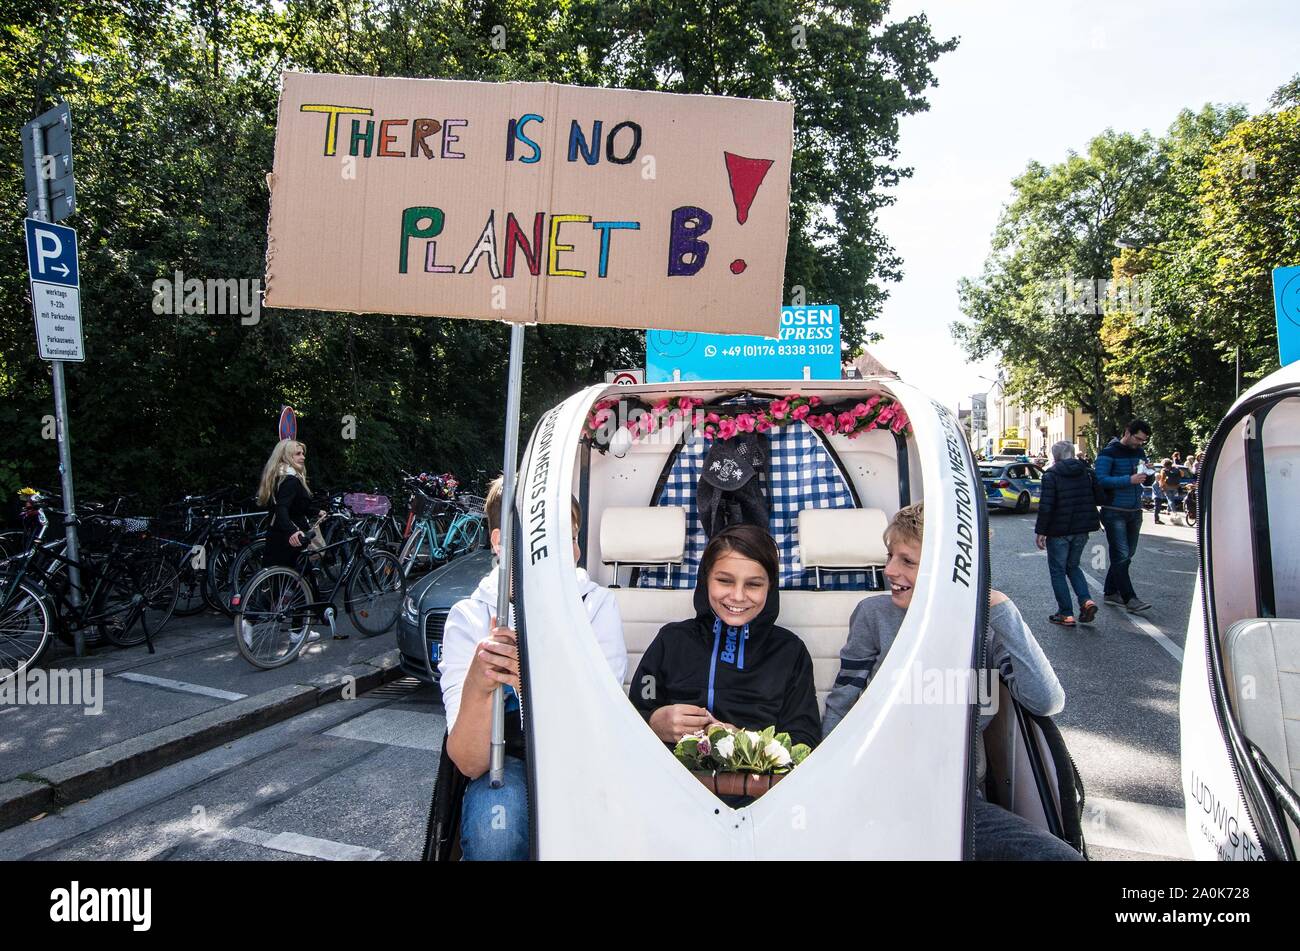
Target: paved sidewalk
139, 712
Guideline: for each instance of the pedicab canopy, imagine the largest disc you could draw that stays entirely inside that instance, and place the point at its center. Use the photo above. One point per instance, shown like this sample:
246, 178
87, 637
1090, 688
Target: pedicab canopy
529, 203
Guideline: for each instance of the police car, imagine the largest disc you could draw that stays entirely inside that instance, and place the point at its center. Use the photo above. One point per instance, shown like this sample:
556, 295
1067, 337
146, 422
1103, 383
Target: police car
1015, 484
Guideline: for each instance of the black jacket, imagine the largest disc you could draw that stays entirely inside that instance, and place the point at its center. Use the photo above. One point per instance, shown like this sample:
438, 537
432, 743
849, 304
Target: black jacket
766, 680
1069, 498
289, 512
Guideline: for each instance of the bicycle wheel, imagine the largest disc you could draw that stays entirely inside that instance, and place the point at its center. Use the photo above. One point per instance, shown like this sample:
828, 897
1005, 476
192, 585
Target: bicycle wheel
473, 537
58, 587
155, 581
192, 596
12, 543
246, 564
387, 536
382, 530
161, 580
332, 561
273, 617
375, 593
25, 623
410, 556
221, 556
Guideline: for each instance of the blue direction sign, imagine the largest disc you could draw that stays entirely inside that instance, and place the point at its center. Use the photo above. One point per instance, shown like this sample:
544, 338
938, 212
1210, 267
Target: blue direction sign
809, 345
1286, 302
56, 292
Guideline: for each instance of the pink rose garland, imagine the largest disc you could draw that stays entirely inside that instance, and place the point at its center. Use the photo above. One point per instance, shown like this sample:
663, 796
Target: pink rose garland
875, 412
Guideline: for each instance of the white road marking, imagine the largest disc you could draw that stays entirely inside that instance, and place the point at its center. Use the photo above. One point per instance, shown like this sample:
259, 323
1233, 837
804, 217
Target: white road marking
322, 848
1179, 571
181, 686
8, 710
408, 728
1141, 623
245, 834
1032, 554
301, 844
1135, 827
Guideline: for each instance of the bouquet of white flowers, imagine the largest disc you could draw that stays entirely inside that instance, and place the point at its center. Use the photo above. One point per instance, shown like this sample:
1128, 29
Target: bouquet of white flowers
719, 750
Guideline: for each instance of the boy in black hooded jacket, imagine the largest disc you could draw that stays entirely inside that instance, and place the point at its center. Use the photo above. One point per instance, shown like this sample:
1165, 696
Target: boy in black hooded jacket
730, 664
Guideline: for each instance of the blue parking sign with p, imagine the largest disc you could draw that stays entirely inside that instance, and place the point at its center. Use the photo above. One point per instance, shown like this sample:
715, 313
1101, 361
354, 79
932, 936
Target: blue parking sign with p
52, 253
56, 296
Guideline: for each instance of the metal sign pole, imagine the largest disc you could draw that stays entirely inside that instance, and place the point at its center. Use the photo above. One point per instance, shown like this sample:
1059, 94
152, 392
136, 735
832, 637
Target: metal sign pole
497, 757
61, 418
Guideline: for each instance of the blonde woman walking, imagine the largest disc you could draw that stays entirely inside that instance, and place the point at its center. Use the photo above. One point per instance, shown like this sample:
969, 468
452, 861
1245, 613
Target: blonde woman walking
284, 492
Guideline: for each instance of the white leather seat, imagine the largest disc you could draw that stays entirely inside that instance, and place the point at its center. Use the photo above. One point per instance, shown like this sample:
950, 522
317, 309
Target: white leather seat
1267, 650
821, 619
842, 539
653, 535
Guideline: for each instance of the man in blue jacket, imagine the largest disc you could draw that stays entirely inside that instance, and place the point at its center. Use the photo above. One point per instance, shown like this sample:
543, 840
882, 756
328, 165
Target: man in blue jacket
1119, 471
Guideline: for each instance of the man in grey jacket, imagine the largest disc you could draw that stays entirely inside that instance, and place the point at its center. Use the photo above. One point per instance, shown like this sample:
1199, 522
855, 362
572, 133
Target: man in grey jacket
1013, 652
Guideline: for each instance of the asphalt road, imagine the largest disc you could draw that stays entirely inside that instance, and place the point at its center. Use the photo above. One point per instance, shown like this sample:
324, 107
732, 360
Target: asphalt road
351, 780
1121, 677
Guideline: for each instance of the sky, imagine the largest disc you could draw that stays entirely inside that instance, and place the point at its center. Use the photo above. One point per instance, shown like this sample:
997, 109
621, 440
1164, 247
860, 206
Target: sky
1032, 81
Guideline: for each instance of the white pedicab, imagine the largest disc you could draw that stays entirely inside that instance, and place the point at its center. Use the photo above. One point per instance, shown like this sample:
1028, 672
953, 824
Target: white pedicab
1239, 703
895, 778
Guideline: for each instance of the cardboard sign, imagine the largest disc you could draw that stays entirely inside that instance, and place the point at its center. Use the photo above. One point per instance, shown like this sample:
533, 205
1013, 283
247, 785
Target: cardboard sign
529, 202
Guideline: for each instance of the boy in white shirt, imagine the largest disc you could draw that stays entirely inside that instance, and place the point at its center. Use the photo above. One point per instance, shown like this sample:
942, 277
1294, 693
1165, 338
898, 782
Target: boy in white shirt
477, 656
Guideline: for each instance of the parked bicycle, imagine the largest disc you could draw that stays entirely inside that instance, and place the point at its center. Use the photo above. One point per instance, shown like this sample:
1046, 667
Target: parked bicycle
274, 611
442, 530
232, 537
378, 521
126, 594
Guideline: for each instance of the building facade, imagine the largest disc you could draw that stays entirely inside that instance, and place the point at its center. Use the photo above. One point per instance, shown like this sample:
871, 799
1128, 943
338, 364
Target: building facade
1032, 430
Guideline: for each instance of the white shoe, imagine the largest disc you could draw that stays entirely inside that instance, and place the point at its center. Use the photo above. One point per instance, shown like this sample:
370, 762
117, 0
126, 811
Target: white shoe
296, 636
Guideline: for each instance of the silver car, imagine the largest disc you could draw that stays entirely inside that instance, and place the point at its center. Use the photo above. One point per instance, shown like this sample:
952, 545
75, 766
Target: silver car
424, 613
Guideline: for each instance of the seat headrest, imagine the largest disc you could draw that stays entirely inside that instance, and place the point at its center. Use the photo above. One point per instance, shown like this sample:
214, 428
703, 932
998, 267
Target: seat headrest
643, 536
842, 538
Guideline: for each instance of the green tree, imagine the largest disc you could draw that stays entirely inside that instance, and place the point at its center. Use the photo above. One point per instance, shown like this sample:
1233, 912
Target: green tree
1249, 201
174, 105
1163, 358
1036, 303
851, 75
1208, 210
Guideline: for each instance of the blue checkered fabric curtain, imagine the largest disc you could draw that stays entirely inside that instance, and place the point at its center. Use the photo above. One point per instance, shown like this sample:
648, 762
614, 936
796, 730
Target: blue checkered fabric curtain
800, 474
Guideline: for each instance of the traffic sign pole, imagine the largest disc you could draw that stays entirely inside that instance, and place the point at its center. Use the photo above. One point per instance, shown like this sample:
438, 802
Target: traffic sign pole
61, 418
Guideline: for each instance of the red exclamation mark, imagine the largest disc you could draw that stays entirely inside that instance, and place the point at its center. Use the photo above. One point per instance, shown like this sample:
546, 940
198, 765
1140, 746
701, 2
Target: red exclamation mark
745, 175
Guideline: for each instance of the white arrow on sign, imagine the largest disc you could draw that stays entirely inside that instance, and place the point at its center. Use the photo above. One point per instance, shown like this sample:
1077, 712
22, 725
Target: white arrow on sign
61, 268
